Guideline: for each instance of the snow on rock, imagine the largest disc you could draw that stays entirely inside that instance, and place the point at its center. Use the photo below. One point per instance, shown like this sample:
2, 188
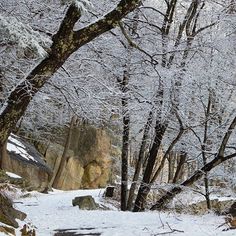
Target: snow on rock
12, 175
24, 160
17, 147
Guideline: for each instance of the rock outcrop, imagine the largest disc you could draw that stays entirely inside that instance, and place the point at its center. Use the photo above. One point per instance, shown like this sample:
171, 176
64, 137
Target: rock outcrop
88, 162
24, 160
8, 214
5, 230
200, 208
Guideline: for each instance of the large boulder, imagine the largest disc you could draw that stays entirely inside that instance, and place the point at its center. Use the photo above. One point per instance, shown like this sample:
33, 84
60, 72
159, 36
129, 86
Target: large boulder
71, 177
23, 159
88, 159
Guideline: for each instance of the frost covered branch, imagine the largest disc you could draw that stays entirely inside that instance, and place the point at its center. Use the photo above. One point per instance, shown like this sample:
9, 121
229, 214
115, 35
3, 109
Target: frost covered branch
14, 32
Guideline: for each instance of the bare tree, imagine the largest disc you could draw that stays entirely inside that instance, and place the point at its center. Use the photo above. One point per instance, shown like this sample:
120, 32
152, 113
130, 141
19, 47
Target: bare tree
219, 158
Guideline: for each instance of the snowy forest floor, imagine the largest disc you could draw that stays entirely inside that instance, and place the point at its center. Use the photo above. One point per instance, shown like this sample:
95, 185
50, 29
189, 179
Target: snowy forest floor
53, 214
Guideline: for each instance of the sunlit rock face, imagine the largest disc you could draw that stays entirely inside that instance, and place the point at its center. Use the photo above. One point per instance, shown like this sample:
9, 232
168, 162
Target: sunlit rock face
24, 160
88, 159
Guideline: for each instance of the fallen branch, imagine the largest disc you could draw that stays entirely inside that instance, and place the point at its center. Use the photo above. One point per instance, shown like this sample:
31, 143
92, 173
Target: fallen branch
170, 232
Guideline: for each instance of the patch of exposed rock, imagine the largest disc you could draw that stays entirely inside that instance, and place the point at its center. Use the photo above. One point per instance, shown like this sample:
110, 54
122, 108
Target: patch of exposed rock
200, 208
23, 159
85, 203
8, 214
88, 162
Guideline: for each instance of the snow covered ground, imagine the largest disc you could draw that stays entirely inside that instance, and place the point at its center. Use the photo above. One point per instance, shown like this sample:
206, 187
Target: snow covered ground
54, 211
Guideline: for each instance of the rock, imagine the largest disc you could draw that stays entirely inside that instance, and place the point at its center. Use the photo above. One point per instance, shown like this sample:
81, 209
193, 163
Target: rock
109, 192
232, 210
53, 154
92, 146
21, 182
7, 230
92, 172
24, 160
8, 214
85, 203
200, 208
71, 176
27, 231
231, 221
89, 163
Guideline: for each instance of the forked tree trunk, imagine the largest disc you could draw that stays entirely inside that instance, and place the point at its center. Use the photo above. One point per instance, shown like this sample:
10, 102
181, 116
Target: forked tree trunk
169, 150
180, 167
126, 120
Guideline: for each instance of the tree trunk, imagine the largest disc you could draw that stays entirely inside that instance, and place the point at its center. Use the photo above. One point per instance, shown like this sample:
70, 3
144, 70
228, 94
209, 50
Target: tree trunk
171, 166
145, 185
219, 158
180, 166
125, 143
169, 150
140, 160
65, 42
204, 155
198, 174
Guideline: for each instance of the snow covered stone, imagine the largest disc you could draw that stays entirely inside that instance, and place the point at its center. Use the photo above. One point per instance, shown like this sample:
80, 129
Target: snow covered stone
25, 161
85, 203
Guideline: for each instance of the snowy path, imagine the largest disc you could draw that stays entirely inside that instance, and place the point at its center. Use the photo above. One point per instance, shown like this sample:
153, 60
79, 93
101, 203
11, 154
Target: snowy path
54, 211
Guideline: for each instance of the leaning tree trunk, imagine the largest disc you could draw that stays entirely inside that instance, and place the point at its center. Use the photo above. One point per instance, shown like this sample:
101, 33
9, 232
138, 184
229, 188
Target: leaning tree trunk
198, 174
65, 42
220, 158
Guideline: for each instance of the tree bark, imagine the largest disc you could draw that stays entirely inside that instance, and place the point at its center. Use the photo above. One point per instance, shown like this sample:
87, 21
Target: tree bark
198, 174
168, 151
65, 42
219, 158
125, 141
140, 160
180, 166
204, 155
145, 185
